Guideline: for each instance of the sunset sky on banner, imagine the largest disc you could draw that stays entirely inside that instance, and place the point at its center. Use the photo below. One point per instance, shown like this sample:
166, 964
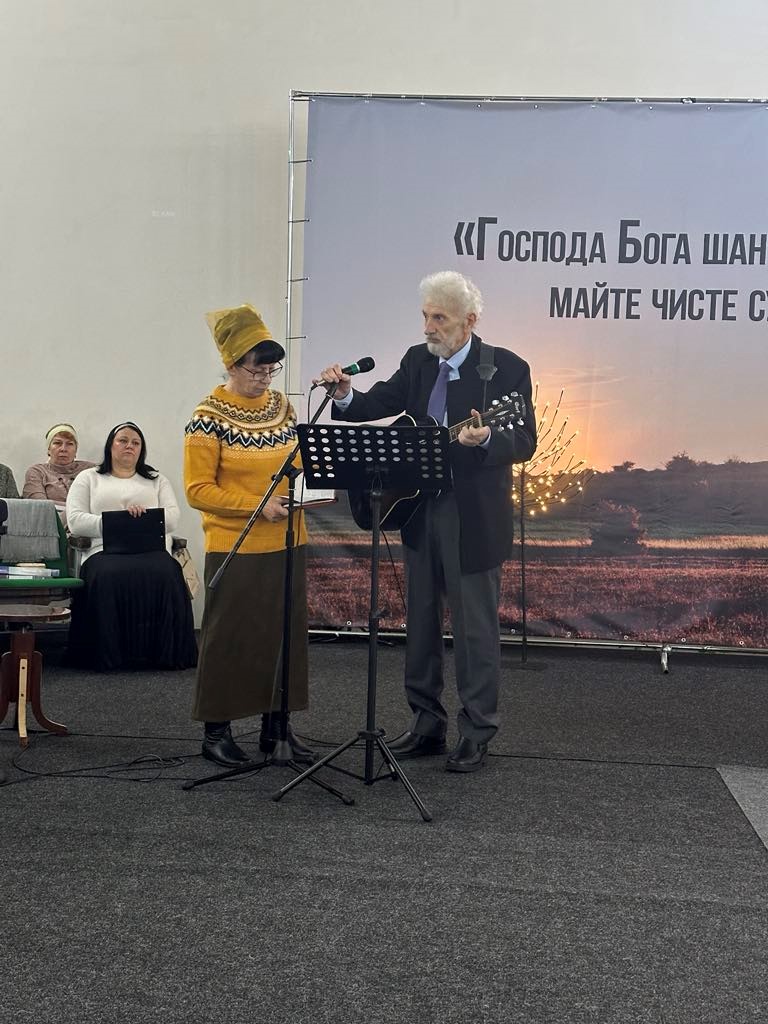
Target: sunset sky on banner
391, 180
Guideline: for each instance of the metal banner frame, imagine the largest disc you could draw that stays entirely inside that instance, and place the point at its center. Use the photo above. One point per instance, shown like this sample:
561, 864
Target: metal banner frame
298, 162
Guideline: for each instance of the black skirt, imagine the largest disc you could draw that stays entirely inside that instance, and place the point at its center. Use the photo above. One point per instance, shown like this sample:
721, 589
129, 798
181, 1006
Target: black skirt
134, 612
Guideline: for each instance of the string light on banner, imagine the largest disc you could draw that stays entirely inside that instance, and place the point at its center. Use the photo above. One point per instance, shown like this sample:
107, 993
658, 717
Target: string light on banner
554, 475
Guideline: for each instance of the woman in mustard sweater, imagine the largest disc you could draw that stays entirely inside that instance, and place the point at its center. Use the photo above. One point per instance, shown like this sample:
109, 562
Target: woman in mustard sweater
236, 440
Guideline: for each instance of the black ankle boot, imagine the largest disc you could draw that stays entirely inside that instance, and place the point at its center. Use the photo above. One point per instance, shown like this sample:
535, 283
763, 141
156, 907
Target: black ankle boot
270, 734
266, 740
219, 746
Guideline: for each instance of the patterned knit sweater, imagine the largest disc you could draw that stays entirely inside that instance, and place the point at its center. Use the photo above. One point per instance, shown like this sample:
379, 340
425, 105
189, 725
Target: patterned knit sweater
232, 448
8, 487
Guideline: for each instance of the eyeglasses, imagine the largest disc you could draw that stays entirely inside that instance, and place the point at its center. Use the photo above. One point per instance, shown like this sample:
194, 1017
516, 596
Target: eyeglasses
262, 371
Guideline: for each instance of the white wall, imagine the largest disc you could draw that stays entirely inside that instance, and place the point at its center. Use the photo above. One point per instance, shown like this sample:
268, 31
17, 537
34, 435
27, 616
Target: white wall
144, 164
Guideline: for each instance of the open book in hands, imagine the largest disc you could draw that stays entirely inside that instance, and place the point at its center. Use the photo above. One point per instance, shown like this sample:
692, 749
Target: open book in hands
311, 497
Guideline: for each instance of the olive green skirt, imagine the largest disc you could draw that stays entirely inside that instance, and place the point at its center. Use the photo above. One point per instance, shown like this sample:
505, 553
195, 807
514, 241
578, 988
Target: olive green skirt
239, 668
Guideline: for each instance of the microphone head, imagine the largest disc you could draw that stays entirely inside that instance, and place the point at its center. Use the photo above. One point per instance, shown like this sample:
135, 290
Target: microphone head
365, 364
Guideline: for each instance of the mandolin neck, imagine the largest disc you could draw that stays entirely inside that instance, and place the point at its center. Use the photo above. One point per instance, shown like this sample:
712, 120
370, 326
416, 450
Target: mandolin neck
455, 430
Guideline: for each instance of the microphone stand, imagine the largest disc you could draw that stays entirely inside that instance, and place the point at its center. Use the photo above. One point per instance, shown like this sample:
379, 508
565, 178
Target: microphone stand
282, 755
524, 663
524, 642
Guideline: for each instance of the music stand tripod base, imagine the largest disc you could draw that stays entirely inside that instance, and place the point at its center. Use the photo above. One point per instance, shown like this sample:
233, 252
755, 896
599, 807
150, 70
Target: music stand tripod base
279, 759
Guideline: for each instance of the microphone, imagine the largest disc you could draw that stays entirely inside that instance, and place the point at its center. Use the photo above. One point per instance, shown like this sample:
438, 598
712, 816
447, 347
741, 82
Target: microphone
364, 365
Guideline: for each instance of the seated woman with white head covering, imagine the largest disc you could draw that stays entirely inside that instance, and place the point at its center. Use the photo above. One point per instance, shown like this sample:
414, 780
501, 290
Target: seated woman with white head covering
51, 480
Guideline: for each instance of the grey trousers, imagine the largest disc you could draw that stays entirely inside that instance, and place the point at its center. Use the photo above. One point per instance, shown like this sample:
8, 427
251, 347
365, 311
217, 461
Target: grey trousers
434, 577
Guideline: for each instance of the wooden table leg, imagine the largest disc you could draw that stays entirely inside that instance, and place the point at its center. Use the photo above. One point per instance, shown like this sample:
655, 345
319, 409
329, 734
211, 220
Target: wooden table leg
21, 701
22, 669
6, 685
35, 697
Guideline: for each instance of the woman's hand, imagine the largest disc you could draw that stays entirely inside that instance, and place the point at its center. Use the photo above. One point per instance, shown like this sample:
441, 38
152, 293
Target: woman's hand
276, 508
136, 510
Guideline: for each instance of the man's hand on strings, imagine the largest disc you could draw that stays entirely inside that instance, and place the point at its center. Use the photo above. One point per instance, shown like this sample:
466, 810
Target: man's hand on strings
475, 435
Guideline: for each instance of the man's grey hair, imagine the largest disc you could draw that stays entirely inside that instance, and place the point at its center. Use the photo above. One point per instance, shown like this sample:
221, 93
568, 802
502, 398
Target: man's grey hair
452, 290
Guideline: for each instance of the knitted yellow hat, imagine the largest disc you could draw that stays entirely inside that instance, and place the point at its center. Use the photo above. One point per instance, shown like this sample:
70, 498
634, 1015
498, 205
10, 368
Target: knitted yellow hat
236, 331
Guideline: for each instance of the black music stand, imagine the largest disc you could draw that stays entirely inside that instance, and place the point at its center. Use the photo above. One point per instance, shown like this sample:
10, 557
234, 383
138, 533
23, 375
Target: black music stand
367, 457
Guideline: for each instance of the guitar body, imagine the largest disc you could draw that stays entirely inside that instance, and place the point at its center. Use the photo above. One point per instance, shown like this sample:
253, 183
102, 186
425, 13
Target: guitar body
397, 507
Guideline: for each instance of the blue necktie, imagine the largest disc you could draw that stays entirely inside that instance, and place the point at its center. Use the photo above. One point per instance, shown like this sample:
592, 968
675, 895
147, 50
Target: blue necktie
438, 399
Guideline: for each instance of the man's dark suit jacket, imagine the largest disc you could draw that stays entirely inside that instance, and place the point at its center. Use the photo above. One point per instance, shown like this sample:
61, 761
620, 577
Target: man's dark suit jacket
482, 478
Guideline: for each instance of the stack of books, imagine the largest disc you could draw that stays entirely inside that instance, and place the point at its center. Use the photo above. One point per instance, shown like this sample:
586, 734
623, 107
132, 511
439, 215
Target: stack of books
28, 570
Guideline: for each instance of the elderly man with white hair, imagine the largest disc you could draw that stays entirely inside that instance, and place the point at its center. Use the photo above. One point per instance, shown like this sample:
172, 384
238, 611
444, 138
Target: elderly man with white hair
456, 542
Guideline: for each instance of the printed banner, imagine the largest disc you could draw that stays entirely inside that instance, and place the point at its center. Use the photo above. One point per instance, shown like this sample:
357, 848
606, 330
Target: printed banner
621, 249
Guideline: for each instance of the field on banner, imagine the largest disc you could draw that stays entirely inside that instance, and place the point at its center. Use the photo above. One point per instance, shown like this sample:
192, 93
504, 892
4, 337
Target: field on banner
704, 599
642, 545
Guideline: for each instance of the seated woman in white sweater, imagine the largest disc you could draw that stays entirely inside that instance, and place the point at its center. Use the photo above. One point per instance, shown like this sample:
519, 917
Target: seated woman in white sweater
134, 611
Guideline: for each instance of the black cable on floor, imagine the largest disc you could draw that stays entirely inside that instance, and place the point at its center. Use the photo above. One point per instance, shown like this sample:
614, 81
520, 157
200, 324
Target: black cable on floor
118, 771
112, 771
396, 575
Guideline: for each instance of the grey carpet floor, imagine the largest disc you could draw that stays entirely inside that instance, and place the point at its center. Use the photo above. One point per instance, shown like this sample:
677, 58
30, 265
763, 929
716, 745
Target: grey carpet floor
597, 870
749, 787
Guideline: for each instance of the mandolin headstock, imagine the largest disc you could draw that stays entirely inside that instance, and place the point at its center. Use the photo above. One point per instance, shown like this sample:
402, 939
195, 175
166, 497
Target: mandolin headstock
506, 412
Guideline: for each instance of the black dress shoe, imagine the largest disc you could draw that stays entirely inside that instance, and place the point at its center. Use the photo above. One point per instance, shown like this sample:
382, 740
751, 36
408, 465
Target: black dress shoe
410, 744
219, 746
468, 756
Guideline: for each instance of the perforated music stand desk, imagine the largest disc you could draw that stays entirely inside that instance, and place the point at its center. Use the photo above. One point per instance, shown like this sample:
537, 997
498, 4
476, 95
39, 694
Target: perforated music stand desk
348, 456
362, 457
